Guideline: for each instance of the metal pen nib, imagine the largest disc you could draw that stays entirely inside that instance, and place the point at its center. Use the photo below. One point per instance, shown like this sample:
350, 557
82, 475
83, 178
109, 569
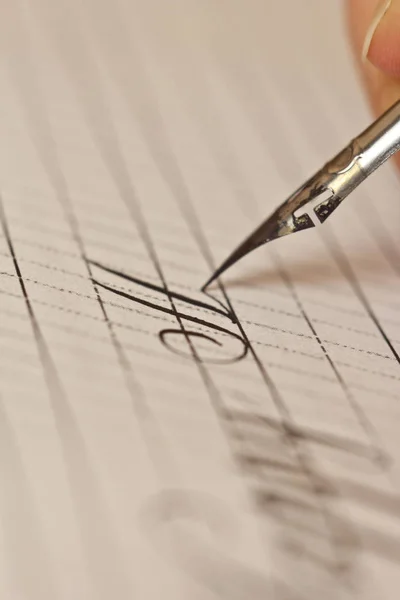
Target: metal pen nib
268, 231
315, 201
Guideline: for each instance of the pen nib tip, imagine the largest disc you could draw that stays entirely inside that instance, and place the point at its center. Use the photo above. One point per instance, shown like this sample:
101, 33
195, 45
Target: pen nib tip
207, 283
269, 230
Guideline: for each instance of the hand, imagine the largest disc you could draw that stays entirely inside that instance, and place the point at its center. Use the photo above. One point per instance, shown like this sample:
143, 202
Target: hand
375, 33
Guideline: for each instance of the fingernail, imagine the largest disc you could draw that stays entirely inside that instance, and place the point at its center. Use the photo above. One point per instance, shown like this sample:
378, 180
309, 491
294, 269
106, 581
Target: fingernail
380, 12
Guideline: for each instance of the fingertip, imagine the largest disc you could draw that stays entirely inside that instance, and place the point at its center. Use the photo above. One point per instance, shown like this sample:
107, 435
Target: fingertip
384, 48
381, 67
362, 20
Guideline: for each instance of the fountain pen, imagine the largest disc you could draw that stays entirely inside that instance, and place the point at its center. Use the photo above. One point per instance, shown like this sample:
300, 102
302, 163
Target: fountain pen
319, 196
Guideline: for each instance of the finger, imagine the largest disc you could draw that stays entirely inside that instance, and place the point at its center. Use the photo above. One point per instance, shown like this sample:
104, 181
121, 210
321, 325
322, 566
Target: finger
382, 42
377, 54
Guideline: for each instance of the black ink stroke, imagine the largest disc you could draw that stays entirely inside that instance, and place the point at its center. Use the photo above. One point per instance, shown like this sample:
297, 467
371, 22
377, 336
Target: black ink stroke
168, 335
177, 332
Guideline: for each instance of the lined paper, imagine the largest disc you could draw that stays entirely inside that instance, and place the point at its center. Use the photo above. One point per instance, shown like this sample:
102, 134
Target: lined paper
156, 441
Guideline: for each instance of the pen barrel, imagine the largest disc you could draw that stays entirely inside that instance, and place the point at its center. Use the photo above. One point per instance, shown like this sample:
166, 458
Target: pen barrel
380, 141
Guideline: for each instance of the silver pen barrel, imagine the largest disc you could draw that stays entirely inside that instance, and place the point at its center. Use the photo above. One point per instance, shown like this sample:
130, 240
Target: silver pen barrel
381, 140
368, 151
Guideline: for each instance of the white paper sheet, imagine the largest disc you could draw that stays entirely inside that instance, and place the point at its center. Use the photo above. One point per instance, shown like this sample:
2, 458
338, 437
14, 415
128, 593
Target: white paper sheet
156, 442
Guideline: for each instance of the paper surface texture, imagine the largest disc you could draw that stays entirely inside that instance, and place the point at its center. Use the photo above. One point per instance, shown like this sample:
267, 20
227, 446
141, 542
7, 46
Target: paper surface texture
155, 441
